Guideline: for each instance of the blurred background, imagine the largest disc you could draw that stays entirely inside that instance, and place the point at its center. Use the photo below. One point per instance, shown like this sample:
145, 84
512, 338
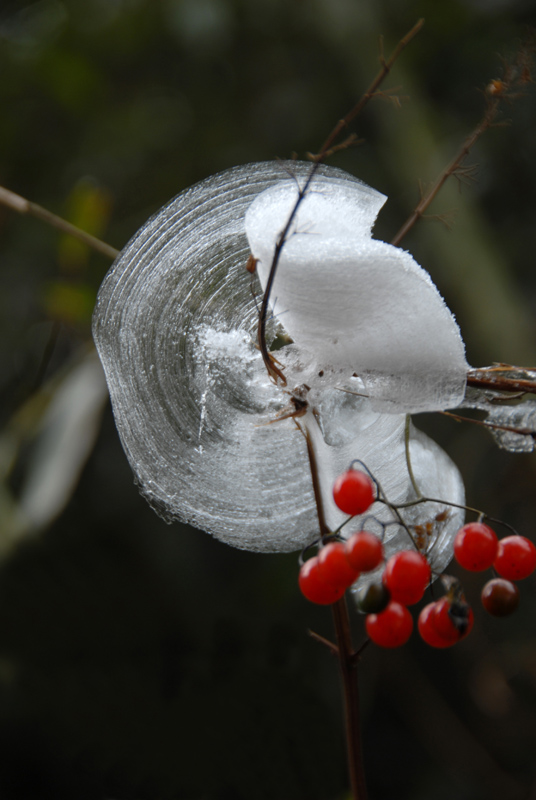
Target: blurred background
139, 660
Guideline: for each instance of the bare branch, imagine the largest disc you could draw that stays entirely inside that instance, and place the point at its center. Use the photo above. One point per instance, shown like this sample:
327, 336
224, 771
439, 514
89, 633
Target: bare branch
497, 379
485, 424
386, 66
23, 206
515, 74
322, 640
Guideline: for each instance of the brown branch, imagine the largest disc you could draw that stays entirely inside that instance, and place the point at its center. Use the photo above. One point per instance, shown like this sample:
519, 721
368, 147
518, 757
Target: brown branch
450, 169
23, 206
348, 668
483, 379
385, 69
386, 66
351, 141
324, 530
494, 425
514, 75
322, 640
345, 653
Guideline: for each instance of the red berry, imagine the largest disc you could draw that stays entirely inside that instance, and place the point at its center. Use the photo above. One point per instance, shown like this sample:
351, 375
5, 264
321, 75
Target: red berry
391, 627
333, 568
314, 588
499, 597
516, 558
364, 551
452, 619
354, 492
407, 574
475, 546
427, 629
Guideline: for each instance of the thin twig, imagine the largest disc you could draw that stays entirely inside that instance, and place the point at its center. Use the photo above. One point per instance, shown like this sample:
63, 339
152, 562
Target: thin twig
313, 465
322, 640
384, 71
386, 66
483, 379
345, 653
494, 425
348, 667
23, 206
513, 76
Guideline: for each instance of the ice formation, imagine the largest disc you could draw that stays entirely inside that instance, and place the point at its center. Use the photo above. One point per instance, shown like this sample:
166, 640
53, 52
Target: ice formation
175, 327
354, 303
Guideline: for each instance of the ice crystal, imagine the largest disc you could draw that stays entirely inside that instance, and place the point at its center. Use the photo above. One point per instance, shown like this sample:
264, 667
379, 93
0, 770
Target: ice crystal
513, 426
175, 326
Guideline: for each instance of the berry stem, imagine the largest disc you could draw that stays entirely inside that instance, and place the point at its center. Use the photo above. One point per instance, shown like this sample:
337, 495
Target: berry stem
324, 530
322, 639
348, 668
394, 509
344, 650
481, 515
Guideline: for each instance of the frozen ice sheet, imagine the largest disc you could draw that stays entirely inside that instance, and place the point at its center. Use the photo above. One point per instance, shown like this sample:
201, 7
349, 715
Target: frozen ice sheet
175, 327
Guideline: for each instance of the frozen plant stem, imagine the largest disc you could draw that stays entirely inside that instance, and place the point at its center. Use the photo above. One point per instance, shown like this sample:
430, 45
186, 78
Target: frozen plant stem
327, 148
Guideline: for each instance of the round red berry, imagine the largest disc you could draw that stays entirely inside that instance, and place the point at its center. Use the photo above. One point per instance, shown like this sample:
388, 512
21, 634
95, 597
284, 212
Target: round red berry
500, 597
314, 588
427, 629
364, 551
516, 558
406, 575
354, 492
333, 567
475, 546
391, 627
453, 619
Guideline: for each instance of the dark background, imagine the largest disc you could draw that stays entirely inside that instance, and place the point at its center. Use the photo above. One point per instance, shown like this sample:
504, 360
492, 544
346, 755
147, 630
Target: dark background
139, 660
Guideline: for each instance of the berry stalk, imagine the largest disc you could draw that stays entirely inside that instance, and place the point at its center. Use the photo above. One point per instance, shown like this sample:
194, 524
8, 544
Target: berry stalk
348, 667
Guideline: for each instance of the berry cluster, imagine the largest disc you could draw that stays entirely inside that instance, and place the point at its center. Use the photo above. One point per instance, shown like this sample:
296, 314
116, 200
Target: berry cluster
324, 578
477, 548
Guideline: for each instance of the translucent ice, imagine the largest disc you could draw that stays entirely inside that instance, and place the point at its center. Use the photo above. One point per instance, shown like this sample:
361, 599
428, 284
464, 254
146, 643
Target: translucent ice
512, 426
175, 327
